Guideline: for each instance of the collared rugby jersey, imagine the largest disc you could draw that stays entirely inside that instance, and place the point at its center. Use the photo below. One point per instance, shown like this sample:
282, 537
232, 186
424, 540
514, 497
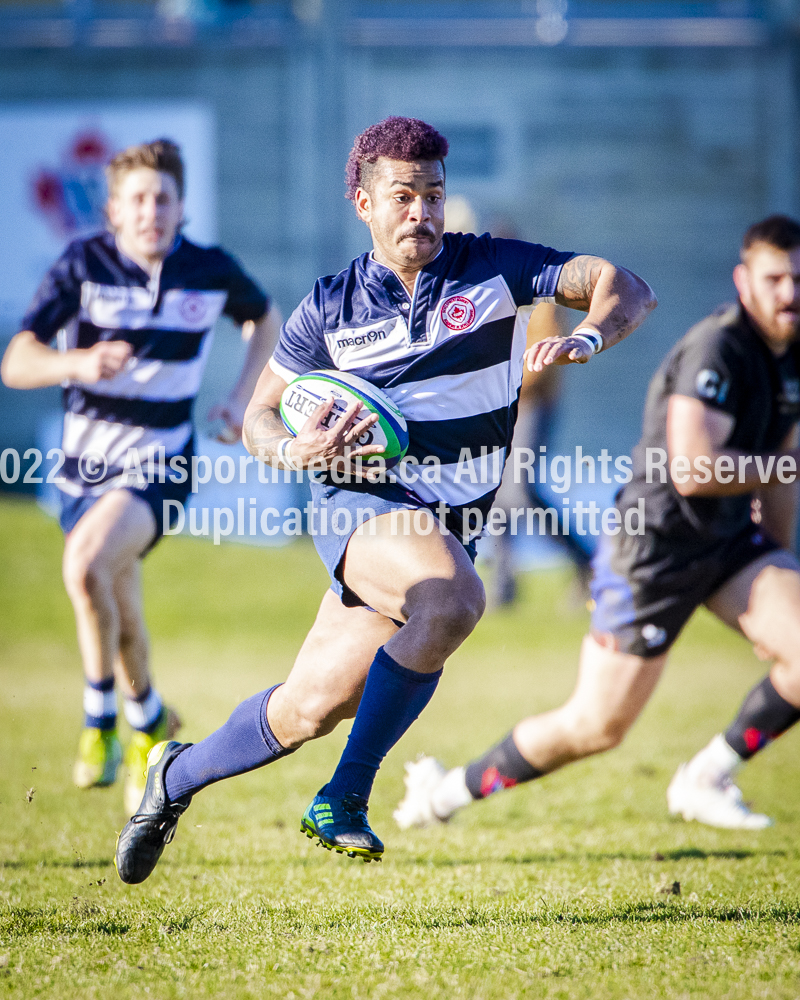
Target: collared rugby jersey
450, 356
94, 293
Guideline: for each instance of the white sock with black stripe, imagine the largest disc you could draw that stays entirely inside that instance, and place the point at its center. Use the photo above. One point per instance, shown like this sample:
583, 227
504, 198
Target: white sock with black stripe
100, 704
143, 713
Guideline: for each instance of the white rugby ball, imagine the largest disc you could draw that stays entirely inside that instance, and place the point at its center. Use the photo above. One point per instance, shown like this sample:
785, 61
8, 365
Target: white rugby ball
302, 396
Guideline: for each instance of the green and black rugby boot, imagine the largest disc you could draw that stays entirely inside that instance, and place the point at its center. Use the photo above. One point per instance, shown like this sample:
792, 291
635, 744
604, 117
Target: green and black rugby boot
99, 757
341, 825
148, 832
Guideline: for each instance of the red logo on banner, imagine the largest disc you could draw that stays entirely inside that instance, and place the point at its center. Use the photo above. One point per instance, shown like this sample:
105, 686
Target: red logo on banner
72, 196
458, 313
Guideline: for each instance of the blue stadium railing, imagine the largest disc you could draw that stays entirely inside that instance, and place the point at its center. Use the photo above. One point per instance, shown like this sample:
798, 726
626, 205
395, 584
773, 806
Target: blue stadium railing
526, 23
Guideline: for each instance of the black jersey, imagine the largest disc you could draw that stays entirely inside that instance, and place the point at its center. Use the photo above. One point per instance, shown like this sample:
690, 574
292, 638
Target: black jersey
726, 364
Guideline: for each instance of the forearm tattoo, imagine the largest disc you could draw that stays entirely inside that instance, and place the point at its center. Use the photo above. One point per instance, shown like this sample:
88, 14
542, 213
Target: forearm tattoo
263, 431
577, 281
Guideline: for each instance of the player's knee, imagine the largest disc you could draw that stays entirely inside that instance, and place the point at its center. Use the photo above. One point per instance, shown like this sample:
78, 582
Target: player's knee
84, 577
315, 715
74, 572
595, 734
452, 615
467, 608
610, 735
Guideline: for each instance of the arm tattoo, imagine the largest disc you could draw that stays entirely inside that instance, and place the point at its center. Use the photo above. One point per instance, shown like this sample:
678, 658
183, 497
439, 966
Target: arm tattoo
577, 280
263, 430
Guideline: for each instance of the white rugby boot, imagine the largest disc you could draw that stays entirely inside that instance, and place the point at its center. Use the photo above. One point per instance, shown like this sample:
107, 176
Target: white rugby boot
706, 793
433, 794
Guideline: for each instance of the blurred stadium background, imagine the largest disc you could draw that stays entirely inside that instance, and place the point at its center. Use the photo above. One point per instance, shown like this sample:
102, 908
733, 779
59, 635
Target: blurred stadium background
650, 132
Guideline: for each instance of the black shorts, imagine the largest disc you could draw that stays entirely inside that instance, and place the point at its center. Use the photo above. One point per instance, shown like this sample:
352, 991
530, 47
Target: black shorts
645, 589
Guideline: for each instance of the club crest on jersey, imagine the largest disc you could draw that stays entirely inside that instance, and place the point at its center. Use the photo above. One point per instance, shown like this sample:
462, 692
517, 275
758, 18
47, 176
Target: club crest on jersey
193, 307
654, 636
457, 313
711, 385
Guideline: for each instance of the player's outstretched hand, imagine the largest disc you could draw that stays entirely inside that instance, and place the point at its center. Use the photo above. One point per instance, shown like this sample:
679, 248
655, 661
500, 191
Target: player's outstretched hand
557, 351
317, 442
231, 413
103, 360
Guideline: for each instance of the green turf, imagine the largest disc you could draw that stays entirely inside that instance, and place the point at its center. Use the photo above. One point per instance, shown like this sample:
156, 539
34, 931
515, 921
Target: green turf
553, 890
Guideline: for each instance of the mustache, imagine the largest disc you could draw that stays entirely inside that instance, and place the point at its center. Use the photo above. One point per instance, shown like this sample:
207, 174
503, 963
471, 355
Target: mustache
418, 231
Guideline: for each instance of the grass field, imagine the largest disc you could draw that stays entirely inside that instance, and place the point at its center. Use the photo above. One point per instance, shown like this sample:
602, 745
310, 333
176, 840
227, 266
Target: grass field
553, 890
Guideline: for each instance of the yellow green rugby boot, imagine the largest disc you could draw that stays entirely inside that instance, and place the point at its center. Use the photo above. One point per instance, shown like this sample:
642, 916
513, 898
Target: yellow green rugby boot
340, 824
99, 758
136, 756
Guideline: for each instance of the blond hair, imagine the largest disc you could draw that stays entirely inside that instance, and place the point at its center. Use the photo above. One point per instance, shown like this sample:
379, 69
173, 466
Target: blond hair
162, 155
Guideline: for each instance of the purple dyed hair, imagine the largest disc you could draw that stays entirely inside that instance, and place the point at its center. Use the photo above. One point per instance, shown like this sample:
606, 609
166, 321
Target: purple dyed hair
398, 138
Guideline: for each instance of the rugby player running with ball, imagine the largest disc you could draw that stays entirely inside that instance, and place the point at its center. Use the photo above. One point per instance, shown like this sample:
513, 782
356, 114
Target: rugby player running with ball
723, 410
449, 313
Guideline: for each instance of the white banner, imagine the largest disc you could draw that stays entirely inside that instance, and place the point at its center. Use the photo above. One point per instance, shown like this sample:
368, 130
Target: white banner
51, 160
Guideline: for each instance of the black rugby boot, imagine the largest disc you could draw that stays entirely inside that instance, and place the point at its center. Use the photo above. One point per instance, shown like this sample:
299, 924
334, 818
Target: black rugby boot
152, 827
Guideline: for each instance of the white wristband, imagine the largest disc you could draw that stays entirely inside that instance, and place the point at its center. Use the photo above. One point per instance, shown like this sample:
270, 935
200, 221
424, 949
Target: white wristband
590, 337
284, 457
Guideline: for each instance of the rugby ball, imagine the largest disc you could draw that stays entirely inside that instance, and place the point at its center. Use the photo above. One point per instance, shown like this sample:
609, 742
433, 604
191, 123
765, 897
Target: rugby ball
302, 396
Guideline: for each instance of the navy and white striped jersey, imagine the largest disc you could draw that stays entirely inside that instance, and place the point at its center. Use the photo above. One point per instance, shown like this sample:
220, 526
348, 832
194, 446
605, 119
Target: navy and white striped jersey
450, 356
93, 293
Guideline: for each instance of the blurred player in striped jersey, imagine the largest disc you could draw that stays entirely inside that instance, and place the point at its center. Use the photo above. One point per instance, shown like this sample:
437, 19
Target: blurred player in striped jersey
432, 320
723, 409
132, 310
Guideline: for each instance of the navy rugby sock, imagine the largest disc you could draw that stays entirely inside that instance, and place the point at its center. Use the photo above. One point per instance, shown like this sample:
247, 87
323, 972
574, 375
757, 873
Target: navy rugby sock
244, 743
764, 715
501, 767
393, 698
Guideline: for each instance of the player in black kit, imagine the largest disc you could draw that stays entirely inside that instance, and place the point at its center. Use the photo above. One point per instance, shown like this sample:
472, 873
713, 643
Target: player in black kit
715, 471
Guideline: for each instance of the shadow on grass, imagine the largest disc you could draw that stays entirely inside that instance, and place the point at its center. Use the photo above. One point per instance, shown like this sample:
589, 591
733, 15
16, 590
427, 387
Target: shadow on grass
58, 863
679, 854
733, 855
82, 920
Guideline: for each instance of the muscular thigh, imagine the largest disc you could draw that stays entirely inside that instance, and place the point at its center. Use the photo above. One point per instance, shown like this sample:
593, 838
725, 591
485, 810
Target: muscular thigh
330, 670
762, 601
399, 566
112, 533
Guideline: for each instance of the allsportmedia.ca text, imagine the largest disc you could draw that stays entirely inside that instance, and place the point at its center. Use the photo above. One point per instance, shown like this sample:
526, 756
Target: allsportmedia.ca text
559, 472
139, 467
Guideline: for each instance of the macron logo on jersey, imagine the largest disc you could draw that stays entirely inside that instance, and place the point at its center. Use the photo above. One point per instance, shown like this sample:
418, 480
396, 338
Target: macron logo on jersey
360, 347
362, 339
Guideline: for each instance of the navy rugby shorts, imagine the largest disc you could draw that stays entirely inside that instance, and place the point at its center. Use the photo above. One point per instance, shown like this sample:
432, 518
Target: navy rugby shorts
153, 494
645, 589
340, 511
